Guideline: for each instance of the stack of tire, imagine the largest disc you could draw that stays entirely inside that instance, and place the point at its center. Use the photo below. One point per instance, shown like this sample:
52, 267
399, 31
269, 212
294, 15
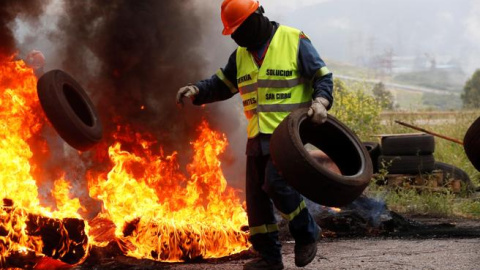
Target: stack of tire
412, 154
407, 154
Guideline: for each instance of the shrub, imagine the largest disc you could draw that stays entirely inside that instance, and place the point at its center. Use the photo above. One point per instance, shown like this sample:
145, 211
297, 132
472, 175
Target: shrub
356, 108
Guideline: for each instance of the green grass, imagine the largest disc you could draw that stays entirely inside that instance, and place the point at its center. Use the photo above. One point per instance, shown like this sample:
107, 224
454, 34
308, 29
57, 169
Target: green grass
408, 100
451, 124
448, 80
410, 201
363, 115
451, 80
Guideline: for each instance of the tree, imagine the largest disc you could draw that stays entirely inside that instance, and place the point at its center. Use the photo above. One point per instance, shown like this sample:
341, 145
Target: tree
383, 96
471, 92
356, 108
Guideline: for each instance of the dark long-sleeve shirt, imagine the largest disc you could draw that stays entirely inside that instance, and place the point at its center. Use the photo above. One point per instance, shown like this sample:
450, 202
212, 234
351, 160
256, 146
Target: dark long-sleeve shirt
311, 66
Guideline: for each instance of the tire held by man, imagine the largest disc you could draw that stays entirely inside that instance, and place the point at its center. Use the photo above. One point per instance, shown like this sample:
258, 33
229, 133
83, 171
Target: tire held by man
69, 110
309, 177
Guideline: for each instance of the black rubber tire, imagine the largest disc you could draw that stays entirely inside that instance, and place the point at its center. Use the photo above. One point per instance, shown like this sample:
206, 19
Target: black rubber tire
451, 171
407, 164
303, 173
69, 109
408, 145
471, 144
374, 150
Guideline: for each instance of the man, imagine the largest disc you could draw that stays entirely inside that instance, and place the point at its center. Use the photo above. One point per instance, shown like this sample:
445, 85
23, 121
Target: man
276, 70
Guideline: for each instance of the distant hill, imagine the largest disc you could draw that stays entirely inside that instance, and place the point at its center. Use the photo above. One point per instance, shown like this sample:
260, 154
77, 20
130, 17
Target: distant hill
355, 31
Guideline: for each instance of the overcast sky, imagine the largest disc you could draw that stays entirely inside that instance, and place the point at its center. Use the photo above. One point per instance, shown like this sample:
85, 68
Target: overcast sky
345, 29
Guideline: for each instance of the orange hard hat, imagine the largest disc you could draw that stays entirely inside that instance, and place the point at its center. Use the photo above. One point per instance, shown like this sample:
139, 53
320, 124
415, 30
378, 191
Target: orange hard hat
235, 12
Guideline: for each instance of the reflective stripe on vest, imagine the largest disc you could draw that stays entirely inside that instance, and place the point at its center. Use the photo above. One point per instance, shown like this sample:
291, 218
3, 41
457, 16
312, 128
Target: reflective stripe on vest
271, 92
225, 80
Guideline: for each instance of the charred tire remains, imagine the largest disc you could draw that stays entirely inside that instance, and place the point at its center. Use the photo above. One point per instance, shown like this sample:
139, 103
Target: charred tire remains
407, 164
408, 145
471, 144
69, 109
302, 172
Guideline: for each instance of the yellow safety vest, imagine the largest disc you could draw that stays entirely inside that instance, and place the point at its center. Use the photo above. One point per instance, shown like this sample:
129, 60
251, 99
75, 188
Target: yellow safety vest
271, 92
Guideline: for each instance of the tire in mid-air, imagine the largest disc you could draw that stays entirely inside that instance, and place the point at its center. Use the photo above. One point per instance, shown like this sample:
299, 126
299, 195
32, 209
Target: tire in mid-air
69, 110
301, 170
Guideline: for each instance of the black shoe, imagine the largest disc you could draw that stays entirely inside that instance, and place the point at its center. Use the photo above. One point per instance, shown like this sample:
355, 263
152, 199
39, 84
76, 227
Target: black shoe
261, 264
304, 254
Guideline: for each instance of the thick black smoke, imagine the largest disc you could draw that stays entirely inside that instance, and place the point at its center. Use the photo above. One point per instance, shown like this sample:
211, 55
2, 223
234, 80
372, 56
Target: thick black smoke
132, 56
9, 10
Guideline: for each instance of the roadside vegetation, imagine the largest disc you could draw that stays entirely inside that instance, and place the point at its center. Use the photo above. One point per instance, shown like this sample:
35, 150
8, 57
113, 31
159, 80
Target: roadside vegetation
451, 81
362, 111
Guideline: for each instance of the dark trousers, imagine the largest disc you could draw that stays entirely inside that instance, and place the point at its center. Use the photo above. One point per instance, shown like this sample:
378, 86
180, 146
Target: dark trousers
264, 186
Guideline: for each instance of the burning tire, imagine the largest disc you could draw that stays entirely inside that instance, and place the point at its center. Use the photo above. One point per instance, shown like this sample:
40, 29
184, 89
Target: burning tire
69, 109
305, 174
407, 164
471, 144
408, 145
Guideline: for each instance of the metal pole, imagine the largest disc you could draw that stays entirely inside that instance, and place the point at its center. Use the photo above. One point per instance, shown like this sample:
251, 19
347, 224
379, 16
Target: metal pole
429, 132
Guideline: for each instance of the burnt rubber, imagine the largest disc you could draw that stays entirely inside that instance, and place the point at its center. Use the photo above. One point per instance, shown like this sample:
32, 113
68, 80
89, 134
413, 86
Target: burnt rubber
407, 164
69, 109
374, 151
408, 145
471, 144
453, 172
305, 174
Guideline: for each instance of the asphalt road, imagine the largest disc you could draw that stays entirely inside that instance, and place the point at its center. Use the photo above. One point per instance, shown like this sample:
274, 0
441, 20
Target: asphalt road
446, 244
455, 254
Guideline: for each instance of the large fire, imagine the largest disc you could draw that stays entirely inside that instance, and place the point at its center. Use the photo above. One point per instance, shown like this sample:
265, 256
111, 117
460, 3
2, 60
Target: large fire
157, 211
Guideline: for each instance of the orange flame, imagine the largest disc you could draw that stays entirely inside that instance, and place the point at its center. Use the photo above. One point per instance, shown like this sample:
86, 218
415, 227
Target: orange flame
174, 219
335, 209
158, 211
20, 126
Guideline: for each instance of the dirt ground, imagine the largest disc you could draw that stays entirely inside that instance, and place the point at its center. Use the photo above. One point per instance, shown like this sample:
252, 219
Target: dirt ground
457, 251
455, 244
452, 254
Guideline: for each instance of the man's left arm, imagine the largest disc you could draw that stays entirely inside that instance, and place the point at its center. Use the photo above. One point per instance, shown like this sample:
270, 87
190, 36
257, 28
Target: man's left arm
313, 67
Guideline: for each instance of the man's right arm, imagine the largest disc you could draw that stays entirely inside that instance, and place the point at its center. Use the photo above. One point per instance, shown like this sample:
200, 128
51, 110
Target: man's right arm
221, 86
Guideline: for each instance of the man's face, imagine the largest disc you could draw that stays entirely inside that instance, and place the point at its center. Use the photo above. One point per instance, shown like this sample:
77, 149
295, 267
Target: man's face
251, 33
